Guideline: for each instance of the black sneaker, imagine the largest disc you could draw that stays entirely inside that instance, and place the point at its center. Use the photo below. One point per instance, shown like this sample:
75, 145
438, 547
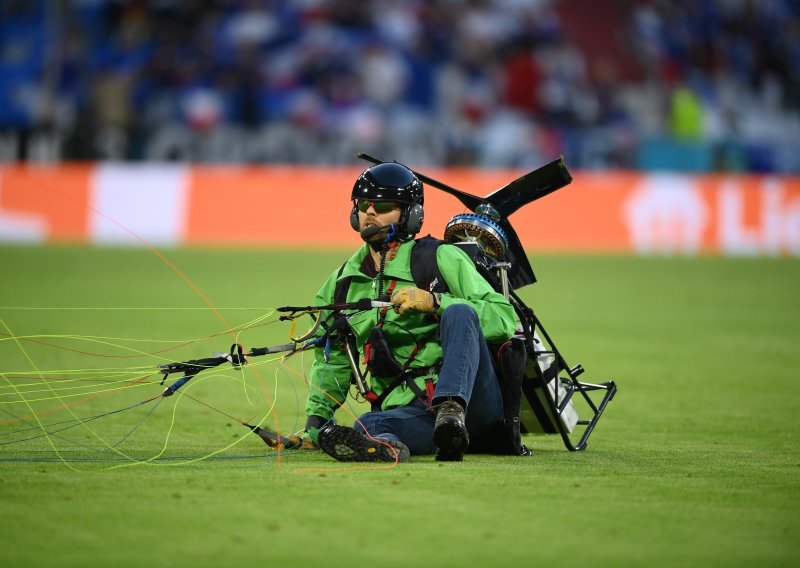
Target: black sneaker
347, 445
450, 432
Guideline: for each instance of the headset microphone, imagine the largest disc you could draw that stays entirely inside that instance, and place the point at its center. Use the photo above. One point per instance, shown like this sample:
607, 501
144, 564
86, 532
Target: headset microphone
371, 231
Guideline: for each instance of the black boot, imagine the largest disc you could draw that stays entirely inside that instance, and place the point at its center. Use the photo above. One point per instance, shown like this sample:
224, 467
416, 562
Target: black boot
347, 445
450, 432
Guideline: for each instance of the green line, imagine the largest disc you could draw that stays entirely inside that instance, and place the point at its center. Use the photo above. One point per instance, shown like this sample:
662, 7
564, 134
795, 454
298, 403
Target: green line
21, 388
110, 378
97, 337
89, 308
28, 404
57, 396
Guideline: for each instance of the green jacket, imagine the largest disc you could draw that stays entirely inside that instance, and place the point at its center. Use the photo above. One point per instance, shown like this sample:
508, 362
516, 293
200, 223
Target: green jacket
331, 379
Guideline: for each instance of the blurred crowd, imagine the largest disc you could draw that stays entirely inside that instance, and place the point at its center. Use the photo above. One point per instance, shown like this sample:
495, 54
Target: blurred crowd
696, 85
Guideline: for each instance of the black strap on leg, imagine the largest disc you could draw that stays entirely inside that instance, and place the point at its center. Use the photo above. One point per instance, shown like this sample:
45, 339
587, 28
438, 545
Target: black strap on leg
407, 377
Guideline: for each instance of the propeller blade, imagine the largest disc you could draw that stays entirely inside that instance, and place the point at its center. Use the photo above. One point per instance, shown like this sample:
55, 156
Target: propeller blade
530, 187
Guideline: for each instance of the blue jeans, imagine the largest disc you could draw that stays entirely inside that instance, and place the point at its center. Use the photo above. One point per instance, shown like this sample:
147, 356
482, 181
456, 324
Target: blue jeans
467, 374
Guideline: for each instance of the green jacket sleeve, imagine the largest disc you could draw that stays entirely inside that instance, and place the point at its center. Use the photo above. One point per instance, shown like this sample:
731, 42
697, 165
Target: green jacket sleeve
495, 313
329, 380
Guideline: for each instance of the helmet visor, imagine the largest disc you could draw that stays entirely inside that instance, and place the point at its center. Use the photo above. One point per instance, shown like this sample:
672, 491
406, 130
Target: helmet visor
380, 207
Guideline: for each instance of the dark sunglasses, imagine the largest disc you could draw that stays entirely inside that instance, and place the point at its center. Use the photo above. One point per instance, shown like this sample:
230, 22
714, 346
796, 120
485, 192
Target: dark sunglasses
380, 207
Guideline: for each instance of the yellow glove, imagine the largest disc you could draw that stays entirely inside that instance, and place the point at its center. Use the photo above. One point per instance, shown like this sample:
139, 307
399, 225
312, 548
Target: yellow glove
410, 298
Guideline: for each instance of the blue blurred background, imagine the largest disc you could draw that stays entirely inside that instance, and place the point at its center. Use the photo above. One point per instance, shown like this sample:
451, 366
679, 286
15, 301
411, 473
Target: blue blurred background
696, 85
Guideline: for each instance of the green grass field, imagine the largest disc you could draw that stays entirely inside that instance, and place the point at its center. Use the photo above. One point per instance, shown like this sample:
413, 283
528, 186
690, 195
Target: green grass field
695, 462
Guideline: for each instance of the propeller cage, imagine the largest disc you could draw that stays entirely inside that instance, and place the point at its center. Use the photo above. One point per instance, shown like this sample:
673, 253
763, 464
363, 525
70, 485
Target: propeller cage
480, 230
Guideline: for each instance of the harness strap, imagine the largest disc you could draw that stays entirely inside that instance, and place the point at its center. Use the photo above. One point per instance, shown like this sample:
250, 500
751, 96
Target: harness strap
382, 318
407, 377
389, 291
426, 396
430, 387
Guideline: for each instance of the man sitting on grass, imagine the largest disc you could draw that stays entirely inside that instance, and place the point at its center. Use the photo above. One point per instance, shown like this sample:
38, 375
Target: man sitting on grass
433, 384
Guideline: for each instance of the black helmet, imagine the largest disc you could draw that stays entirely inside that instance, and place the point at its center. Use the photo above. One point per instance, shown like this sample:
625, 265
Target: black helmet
389, 181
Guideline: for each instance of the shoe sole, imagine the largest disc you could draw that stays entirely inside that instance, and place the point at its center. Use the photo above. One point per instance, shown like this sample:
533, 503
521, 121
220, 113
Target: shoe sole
347, 445
451, 439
